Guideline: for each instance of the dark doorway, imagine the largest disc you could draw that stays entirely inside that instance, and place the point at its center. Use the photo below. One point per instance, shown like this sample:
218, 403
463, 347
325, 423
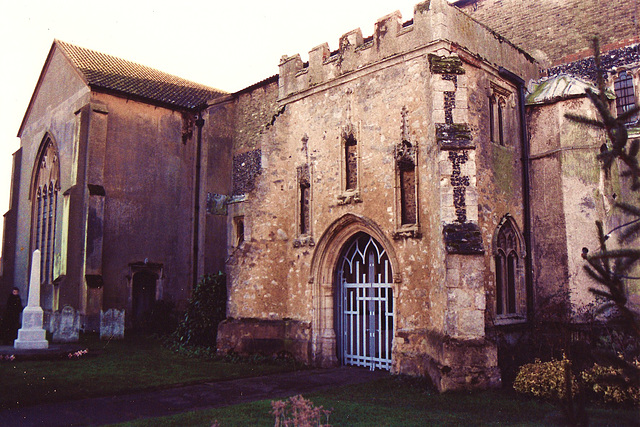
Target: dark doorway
143, 295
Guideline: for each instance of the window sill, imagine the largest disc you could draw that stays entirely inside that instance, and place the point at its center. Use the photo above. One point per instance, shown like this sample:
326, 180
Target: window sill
509, 319
507, 145
349, 196
407, 231
304, 240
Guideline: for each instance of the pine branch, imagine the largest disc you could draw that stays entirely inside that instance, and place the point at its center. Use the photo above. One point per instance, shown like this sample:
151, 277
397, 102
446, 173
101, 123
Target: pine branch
585, 120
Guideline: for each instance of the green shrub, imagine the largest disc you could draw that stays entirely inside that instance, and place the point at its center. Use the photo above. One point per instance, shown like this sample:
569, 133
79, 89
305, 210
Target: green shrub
611, 385
546, 380
207, 308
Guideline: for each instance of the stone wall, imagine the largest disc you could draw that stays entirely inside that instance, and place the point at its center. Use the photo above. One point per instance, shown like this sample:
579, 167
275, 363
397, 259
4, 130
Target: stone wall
125, 195
570, 193
273, 338
559, 31
217, 180
51, 114
432, 20
148, 140
403, 93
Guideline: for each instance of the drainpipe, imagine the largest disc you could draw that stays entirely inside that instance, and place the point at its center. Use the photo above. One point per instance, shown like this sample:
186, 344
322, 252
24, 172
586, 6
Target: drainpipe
196, 207
526, 187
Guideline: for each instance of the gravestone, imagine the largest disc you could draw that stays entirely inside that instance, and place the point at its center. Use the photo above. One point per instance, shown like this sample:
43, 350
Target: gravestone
66, 325
32, 335
112, 324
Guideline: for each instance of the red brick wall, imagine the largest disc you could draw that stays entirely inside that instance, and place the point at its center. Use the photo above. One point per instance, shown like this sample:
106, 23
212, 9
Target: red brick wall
560, 28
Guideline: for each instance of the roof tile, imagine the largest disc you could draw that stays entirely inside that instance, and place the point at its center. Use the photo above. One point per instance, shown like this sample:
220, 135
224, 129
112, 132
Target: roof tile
115, 74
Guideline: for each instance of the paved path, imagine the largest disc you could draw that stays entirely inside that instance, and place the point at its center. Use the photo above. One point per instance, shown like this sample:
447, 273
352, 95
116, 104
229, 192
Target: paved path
106, 410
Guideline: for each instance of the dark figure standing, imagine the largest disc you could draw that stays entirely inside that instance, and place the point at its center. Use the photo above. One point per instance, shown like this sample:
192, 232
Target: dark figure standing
11, 318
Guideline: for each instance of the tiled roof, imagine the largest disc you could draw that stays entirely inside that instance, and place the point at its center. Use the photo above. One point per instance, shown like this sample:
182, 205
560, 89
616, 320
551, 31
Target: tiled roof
115, 74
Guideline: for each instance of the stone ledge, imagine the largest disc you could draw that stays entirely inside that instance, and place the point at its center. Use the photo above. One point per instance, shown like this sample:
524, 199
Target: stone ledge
303, 241
407, 232
349, 197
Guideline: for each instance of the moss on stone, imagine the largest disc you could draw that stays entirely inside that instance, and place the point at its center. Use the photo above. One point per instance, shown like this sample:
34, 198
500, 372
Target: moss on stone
581, 164
503, 159
445, 64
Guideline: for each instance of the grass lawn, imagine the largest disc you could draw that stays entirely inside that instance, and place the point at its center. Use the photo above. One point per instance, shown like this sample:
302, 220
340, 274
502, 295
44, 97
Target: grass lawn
134, 364
142, 363
401, 402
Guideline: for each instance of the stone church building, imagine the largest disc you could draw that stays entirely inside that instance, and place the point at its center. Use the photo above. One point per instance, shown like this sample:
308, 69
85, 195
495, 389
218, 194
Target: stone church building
388, 204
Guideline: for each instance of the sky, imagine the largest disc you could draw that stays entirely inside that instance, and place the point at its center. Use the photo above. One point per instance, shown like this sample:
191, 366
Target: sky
227, 45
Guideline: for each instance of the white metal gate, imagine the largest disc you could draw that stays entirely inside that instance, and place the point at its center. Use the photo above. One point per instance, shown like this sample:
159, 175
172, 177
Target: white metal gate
365, 321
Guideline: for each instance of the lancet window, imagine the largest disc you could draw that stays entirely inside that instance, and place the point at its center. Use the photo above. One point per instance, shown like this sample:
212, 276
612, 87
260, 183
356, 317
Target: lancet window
406, 160
498, 114
351, 162
304, 200
44, 193
510, 290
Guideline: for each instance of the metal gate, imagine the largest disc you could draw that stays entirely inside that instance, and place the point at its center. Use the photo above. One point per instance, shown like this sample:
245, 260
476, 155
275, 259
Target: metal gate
365, 321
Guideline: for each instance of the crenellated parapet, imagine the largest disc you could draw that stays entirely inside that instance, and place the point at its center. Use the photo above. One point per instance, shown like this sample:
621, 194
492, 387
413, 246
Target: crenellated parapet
433, 20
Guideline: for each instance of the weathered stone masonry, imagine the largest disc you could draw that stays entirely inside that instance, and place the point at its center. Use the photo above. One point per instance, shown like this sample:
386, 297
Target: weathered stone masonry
400, 103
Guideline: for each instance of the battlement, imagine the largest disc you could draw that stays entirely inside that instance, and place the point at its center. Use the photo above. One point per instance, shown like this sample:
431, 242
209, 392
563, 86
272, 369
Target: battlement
433, 20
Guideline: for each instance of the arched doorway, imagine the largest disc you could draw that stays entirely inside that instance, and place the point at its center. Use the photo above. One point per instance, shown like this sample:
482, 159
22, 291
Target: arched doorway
143, 295
364, 304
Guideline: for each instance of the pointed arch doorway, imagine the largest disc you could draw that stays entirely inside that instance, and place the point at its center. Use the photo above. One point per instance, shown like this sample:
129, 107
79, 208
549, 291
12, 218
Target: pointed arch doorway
328, 341
364, 304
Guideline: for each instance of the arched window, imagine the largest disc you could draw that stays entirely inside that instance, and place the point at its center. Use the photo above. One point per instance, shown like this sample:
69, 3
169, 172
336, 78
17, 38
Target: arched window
492, 118
510, 291
501, 106
625, 96
44, 191
351, 163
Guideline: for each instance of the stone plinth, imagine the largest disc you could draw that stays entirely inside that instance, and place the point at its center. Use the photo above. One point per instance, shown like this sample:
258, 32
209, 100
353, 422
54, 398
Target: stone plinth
266, 337
32, 335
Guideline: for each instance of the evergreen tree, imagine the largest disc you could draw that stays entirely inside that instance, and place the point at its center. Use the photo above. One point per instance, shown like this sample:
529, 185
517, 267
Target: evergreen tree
612, 268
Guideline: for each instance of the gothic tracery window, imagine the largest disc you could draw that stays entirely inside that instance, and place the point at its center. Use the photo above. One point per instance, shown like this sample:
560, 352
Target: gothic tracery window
498, 114
45, 189
510, 292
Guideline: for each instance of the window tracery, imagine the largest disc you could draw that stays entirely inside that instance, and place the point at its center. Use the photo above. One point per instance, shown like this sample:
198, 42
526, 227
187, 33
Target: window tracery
498, 110
510, 291
45, 189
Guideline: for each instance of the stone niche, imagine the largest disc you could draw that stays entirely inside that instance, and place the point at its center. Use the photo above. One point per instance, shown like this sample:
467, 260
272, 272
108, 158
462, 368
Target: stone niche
274, 338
